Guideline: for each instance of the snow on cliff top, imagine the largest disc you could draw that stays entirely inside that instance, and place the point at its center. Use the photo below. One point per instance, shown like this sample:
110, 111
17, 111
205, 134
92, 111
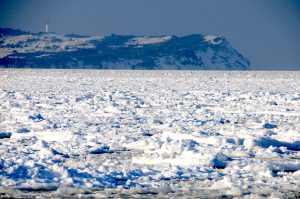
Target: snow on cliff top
148, 40
46, 43
212, 39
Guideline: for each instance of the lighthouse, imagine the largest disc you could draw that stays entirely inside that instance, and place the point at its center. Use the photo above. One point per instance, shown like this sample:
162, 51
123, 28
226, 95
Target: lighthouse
47, 27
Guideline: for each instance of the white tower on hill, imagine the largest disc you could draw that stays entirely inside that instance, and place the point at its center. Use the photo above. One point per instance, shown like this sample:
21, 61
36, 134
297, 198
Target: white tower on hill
47, 27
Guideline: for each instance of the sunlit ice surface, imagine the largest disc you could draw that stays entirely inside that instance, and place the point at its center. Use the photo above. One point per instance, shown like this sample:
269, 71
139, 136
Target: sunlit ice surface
93, 133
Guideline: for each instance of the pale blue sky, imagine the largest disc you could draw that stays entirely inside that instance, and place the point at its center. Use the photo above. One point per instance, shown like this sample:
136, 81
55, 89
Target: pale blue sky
265, 31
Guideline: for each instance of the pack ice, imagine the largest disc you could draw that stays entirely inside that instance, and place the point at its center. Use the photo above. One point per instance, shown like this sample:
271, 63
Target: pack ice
149, 133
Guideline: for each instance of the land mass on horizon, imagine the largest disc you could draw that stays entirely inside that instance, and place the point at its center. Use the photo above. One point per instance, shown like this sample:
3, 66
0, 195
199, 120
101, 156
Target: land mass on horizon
22, 49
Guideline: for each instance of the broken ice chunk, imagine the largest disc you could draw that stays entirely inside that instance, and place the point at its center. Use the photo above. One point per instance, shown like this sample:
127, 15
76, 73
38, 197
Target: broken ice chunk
269, 126
23, 130
101, 150
5, 135
36, 117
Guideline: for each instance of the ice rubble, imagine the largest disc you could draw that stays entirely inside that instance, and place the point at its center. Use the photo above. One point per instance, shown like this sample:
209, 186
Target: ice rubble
148, 131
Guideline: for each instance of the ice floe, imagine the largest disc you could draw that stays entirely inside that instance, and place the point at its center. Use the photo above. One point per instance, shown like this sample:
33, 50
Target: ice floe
149, 133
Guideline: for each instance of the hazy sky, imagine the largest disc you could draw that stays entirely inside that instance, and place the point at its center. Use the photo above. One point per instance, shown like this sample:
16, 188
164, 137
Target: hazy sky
265, 31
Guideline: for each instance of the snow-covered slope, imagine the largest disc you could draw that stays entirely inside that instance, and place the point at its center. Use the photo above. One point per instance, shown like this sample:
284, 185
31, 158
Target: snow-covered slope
152, 134
41, 50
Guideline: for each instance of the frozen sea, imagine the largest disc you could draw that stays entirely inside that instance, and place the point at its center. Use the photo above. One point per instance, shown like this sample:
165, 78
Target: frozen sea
148, 134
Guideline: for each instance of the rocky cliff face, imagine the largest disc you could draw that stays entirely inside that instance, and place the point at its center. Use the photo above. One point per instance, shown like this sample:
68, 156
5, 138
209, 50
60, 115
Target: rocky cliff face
49, 50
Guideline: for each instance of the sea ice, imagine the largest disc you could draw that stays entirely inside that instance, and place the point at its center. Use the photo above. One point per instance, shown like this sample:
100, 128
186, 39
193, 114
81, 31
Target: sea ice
149, 133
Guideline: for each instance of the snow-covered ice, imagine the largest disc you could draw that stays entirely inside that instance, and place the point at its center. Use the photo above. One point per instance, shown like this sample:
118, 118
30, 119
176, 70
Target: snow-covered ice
149, 133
